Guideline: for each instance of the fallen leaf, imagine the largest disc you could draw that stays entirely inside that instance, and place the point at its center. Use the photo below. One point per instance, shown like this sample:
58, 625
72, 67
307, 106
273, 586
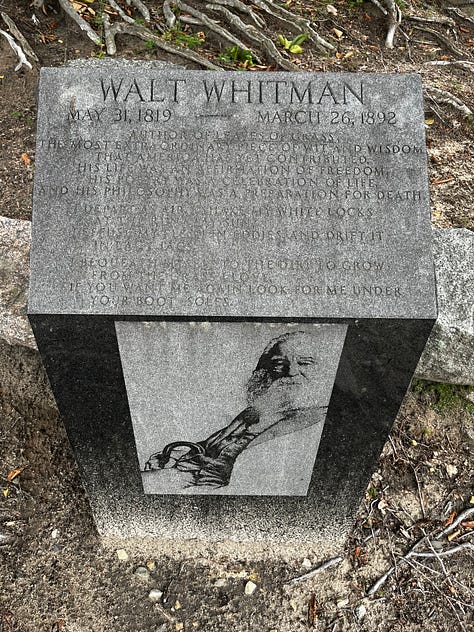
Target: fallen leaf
367, 17
463, 30
348, 54
357, 552
453, 535
331, 9
14, 473
449, 521
337, 33
469, 524
339, 55
429, 121
5, 492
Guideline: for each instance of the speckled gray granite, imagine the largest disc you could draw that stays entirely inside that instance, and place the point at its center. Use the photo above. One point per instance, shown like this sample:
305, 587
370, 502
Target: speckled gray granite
449, 352
15, 238
245, 202
229, 194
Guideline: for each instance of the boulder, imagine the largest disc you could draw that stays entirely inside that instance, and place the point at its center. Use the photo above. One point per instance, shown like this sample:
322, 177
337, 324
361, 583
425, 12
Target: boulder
449, 353
15, 238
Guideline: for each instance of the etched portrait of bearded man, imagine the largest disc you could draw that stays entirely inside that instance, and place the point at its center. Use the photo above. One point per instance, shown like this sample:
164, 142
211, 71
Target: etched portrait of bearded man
282, 399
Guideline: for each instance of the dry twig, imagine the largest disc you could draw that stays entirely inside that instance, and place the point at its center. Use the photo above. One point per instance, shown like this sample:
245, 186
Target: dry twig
332, 562
413, 553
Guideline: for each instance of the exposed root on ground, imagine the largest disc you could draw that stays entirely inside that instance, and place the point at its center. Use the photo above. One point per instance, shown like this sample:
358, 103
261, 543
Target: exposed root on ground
235, 23
443, 96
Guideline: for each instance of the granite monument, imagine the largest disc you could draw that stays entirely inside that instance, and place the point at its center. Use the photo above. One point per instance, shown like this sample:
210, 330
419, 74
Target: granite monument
231, 285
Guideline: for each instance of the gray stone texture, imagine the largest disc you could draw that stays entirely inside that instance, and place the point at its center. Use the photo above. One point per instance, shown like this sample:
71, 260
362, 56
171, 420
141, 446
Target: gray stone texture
230, 194
15, 237
449, 352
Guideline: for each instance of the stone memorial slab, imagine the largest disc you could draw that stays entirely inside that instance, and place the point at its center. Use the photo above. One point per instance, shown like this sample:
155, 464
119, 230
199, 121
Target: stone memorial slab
231, 285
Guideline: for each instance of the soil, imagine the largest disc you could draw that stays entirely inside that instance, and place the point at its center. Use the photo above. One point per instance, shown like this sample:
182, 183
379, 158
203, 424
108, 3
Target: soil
57, 574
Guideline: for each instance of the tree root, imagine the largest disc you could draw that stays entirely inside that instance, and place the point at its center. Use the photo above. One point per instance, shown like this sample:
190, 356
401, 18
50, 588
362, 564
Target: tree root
83, 25
460, 14
294, 22
465, 65
232, 12
141, 6
256, 37
18, 50
445, 40
15, 31
169, 16
116, 7
394, 17
148, 36
211, 24
243, 8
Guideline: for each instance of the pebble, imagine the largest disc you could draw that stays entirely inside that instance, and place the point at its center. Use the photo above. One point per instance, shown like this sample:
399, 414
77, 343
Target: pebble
155, 595
219, 583
54, 533
5, 539
342, 603
451, 470
122, 555
306, 563
142, 573
361, 612
250, 588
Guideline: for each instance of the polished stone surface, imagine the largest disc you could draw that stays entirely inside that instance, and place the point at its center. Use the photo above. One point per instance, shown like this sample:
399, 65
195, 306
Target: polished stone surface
182, 217
230, 194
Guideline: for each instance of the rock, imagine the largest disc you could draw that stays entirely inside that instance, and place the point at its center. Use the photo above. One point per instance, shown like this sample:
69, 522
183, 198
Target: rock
122, 555
250, 588
15, 237
342, 603
306, 563
449, 353
361, 611
142, 572
155, 595
220, 583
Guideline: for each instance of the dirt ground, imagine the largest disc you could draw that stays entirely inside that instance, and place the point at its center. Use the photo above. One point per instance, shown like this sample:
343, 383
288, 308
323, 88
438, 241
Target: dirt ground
56, 574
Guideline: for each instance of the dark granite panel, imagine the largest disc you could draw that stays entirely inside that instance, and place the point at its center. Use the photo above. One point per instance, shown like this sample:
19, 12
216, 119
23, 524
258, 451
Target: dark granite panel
82, 359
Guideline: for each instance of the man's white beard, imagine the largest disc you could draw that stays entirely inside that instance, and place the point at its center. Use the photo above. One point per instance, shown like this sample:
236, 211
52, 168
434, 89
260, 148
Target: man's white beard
281, 396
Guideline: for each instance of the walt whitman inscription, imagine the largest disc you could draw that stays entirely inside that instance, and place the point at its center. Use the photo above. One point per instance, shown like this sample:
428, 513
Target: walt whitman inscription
231, 285
231, 194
